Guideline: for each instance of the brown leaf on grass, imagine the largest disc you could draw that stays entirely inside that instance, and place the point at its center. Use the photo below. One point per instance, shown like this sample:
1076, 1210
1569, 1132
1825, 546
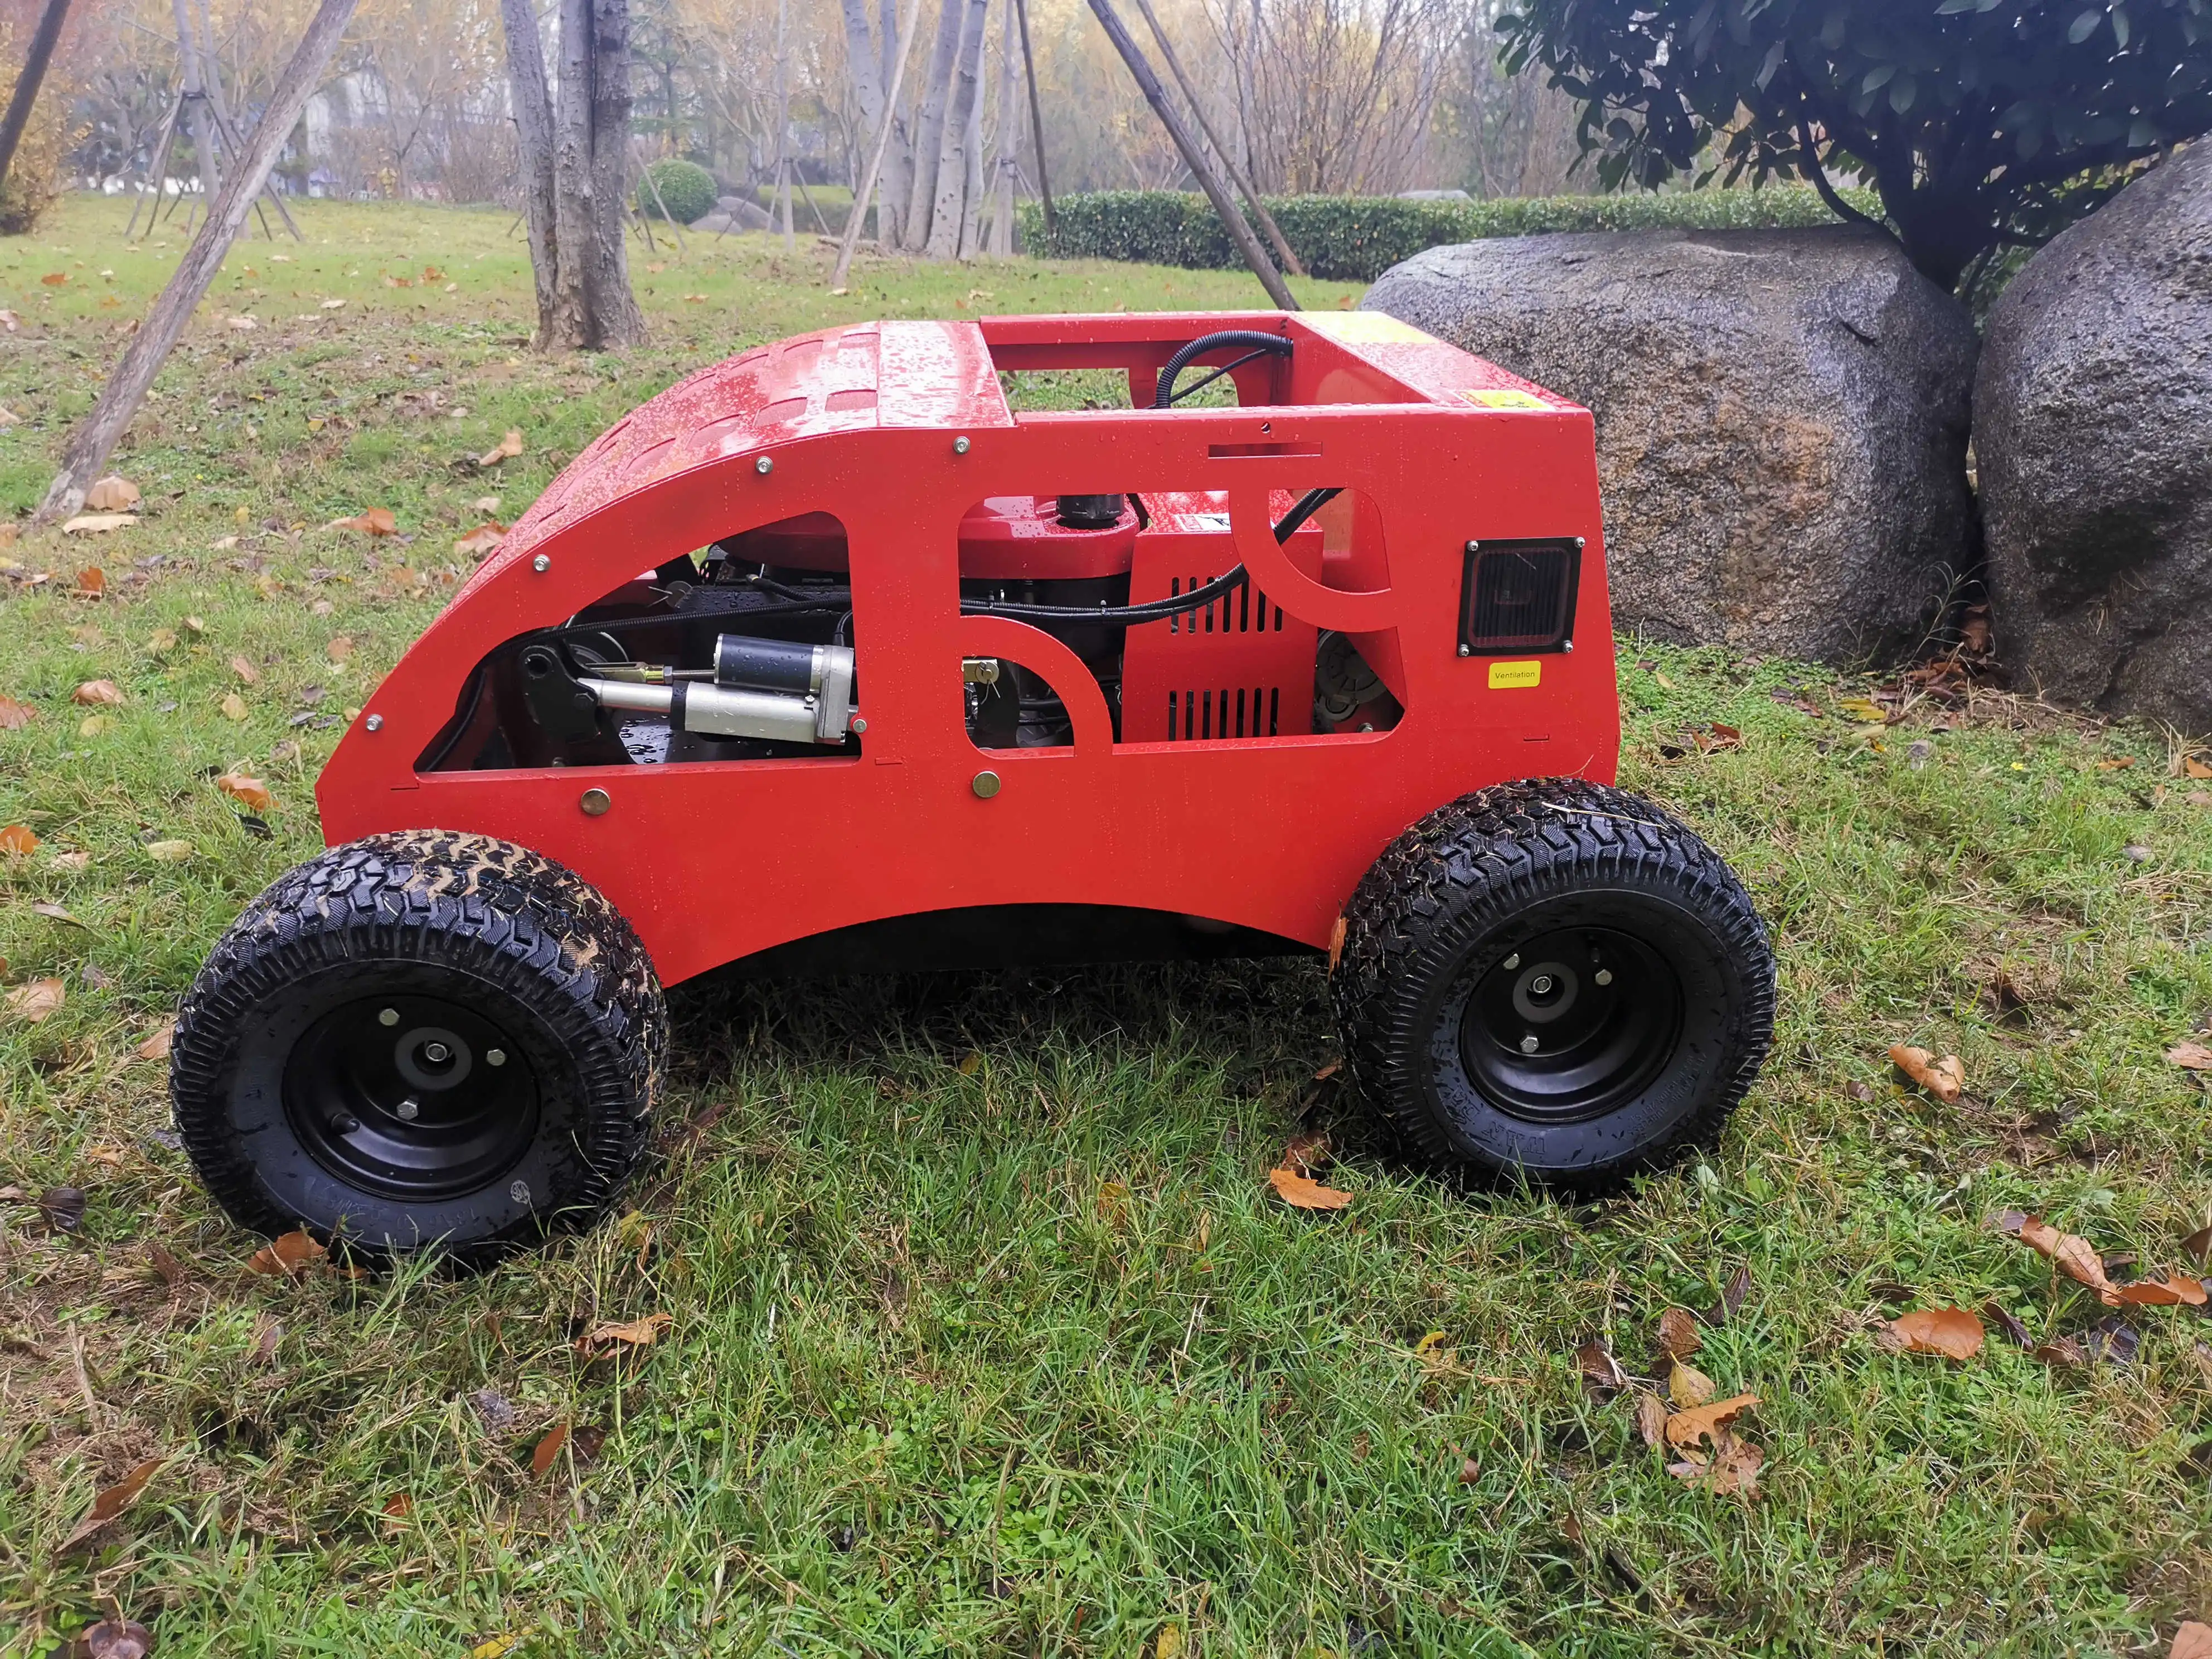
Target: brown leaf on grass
505, 450
636, 1334
1302, 1194
112, 1502
584, 1444
1702, 1422
291, 1256
2193, 1055
1336, 944
37, 1001
98, 524
1469, 1470
1732, 1297
1650, 1417
1688, 1388
1112, 1203
54, 912
250, 793
269, 1339
376, 522
2071, 1253
398, 1508
2173, 1291
2191, 1641
1677, 1334
63, 1209
1944, 1078
548, 1450
14, 716
481, 540
1307, 1153
340, 648
2061, 1352
1732, 1469
2195, 765
1600, 1369
157, 1046
91, 582
113, 494
162, 1262
98, 694
115, 1638
2016, 1333
1951, 1332
233, 707
2198, 1245
244, 671
17, 842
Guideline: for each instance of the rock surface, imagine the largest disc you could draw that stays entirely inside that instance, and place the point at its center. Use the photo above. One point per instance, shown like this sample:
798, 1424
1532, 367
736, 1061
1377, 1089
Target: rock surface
2092, 434
734, 213
1782, 420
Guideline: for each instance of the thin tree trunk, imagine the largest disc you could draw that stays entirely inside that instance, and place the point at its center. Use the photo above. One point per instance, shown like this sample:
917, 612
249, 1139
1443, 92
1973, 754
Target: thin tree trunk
861, 63
196, 112
532, 102
616, 320
1194, 158
26, 84
929, 130
876, 155
157, 169
783, 122
1283, 249
94, 441
1036, 118
947, 209
1010, 142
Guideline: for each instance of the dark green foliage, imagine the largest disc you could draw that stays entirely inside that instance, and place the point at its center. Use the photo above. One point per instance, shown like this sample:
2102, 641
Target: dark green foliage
1981, 123
687, 188
1358, 238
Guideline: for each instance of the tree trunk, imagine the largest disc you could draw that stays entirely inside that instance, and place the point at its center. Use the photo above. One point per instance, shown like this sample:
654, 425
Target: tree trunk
93, 442
26, 84
783, 121
947, 209
869, 173
197, 119
533, 131
593, 307
929, 129
1036, 115
1010, 144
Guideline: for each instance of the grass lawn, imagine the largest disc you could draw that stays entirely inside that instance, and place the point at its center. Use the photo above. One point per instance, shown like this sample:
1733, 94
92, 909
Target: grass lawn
987, 1332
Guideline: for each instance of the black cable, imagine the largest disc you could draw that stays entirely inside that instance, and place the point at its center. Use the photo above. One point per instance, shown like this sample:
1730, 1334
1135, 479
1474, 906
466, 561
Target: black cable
1163, 393
1206, 381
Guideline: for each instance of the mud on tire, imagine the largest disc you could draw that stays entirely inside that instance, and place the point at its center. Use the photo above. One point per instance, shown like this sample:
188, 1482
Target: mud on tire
1553, 979
421, 1039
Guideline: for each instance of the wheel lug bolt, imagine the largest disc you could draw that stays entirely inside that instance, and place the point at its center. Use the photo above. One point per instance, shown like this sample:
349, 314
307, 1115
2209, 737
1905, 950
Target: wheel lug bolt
1604, 976
344, 1123
495, 1056
1513, 961
1529, 1043
389, 1016
408, 1111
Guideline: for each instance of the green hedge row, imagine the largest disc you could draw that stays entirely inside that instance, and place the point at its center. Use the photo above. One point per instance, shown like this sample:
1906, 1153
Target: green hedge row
1356, 238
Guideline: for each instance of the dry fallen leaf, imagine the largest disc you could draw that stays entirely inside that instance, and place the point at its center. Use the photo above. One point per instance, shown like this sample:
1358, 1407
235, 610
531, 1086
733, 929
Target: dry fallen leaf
506, 449
157, 1046
1678, 1334
111, 1503
77, 860
249, 792
398, 1507
289, 1257
2198, 1244
98, 694
1951, 1332
168, 852
376, 522
14, 716
245, 671
1307, 1153
1688, 1388
2173, 1291
1600, 1369
1944, 1078
63, 1207
2191, 1641
1733, 1467
2196, 1056
36, 1002
1687, 1428
113, 494
1650, 1417
233, 707
1336, 942
163, 1262
340, 649
98, 524
637, 1333
91, 582
1302, 1194
481, 540
548, 1450
115, 1638
2071, 1253
17, 842
51, 911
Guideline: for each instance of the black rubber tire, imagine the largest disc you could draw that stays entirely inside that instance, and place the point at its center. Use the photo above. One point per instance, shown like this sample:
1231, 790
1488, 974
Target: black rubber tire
1458, 894
486, 926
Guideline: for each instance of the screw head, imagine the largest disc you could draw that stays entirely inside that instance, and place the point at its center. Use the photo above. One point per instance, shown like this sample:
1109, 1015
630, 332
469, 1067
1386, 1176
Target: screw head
1603, 976
1528, 1044
764, 466
985, 784
1567, 645
860, 724
495, 1056
1474, 547
542, 563
960, 445
1467, 651
375, 722
407, 1111
389, 1016
595, 803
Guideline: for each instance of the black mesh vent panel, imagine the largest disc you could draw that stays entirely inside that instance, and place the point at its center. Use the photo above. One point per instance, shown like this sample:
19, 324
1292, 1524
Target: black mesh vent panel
1519, 596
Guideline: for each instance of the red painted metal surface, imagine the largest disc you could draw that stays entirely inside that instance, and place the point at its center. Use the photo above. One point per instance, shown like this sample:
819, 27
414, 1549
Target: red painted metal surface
860, 423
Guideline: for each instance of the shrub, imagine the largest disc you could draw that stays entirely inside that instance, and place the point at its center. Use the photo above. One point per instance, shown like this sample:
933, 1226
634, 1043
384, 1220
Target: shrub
34, 179
1356, 238
687, 188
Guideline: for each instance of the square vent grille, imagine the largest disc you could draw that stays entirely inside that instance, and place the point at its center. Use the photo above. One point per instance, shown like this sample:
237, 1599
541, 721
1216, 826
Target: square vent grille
1519, 596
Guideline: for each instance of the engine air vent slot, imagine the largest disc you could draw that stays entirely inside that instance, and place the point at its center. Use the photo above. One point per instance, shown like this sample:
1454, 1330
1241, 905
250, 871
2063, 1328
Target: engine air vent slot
1519, 596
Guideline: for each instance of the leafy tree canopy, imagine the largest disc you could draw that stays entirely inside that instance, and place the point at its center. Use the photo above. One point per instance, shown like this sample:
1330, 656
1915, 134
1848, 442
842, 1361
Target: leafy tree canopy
1980, 122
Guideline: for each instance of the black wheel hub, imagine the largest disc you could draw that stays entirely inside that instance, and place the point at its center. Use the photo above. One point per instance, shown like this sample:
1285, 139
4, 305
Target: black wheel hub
1572, 1024
413, 1097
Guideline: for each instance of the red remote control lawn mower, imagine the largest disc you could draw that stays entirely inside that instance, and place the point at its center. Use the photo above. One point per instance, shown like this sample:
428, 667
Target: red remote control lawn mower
825, 656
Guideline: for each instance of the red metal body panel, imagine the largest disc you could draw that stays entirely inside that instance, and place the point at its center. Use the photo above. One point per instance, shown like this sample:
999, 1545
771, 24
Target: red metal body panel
861, 422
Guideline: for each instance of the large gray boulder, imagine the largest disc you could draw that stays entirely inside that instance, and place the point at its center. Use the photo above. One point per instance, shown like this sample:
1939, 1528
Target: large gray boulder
734, 213
2092, 433
1782, 420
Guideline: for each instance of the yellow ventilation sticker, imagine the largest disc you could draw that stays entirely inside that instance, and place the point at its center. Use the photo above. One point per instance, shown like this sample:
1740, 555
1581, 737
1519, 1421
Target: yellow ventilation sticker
1503, 398
1364, 328
1514, 676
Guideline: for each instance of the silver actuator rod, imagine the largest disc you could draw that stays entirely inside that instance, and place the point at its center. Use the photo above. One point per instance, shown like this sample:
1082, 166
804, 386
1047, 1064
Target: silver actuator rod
718, 711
